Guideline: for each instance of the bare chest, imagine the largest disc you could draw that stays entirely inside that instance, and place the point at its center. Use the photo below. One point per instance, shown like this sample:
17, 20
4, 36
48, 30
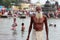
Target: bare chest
38, 20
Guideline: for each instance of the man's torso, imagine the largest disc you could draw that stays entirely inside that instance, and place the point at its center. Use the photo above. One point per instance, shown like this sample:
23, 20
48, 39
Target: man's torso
38, 23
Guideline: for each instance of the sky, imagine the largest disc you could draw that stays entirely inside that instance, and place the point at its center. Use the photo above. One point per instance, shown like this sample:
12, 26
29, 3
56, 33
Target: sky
43, 1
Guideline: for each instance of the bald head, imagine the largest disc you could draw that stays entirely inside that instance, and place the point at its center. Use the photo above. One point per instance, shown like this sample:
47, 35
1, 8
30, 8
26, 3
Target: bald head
38, 8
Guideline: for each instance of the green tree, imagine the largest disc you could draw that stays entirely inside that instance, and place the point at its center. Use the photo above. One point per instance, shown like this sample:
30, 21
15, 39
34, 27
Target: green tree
1, 2
6, 3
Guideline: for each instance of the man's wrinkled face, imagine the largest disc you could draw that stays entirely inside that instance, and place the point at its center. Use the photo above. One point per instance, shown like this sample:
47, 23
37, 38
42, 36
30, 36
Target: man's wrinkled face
38, 9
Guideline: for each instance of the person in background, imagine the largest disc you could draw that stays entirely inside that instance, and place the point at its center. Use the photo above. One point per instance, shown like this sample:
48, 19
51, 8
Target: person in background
14, 26
14, 23
23, 27
51, 14
9, 14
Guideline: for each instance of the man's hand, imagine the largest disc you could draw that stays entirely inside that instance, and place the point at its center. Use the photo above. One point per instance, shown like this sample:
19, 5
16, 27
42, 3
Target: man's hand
27, 38
47, 38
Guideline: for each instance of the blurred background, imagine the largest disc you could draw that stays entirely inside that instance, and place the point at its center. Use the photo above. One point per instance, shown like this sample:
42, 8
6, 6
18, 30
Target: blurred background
50, 8
22, 10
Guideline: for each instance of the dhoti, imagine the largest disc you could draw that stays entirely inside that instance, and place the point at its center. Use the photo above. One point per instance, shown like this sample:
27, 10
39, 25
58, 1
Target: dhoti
37, 35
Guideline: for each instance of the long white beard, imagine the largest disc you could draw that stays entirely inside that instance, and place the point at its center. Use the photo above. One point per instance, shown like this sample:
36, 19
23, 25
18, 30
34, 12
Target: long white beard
39, 15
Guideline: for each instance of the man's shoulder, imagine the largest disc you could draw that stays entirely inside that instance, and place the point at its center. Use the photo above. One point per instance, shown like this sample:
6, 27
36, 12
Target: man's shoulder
32, 17
44, 16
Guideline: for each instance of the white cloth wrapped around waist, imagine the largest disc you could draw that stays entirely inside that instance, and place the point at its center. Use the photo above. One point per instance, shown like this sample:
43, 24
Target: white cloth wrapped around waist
37, 35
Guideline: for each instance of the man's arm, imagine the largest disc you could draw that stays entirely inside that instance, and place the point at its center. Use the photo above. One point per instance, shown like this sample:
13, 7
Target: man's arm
30, 28
46, 27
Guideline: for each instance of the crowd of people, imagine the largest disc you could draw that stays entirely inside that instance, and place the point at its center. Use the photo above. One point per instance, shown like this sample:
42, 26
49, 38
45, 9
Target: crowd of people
52, 14
49, 14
